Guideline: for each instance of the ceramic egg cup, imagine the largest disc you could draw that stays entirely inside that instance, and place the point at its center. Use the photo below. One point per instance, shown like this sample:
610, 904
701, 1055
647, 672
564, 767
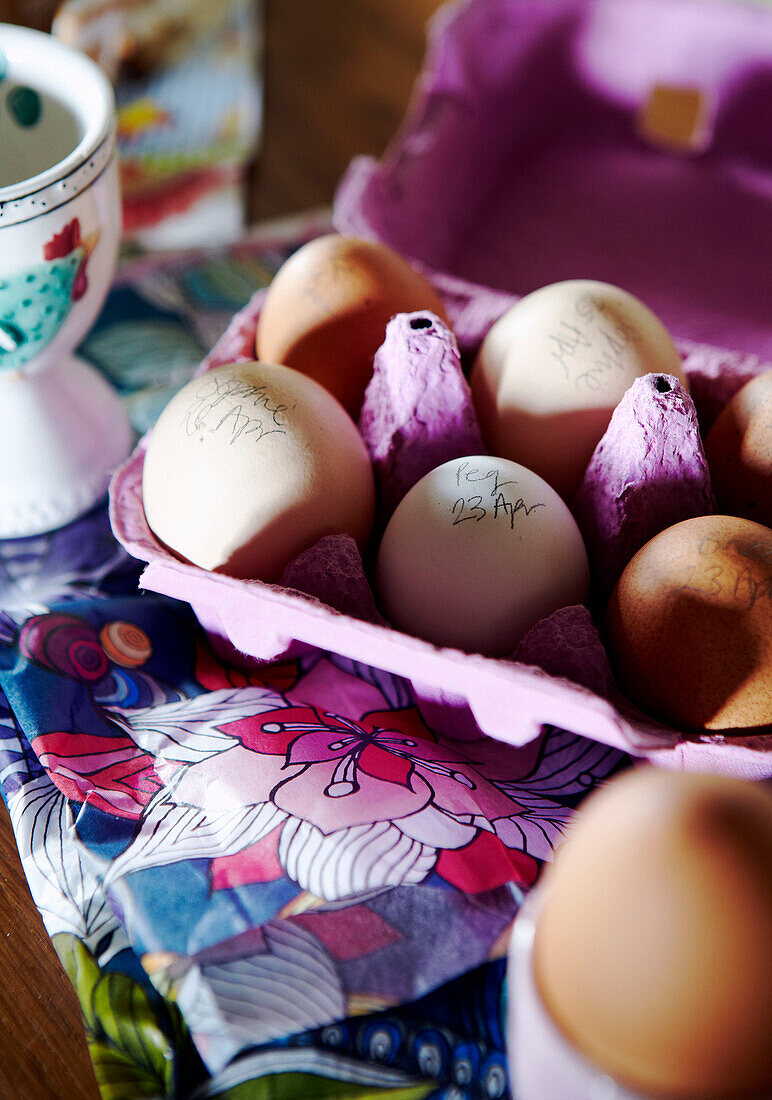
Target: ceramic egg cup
62, 428
544, 1065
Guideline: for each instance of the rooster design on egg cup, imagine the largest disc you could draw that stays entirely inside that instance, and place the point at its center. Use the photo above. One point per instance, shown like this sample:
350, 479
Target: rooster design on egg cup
36, 302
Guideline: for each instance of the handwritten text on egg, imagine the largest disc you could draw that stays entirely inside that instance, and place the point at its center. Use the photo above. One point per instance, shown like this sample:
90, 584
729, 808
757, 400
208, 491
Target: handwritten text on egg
234, 399
473, 505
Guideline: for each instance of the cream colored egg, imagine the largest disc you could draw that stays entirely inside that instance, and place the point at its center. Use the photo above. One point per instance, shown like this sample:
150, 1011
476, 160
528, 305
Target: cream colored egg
249, 465
554, 367
476, 553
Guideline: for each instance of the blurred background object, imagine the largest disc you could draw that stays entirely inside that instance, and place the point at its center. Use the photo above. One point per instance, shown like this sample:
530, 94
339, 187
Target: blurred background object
143, 36
183, 153
37, 14
338, 78
189, 97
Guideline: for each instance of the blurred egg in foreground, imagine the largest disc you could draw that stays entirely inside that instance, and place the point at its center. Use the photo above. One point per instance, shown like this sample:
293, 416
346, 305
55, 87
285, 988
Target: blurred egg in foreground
653, 945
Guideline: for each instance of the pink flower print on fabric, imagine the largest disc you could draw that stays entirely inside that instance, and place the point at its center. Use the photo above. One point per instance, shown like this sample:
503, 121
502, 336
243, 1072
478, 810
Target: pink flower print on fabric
339, 806
386, 767
361, 804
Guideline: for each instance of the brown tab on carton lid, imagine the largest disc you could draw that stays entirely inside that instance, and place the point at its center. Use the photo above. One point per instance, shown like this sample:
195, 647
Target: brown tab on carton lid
676, 118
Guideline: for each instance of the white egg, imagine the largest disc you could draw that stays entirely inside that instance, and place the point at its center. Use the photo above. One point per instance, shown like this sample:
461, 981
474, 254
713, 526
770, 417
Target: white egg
554, 367
250, 464
476, 553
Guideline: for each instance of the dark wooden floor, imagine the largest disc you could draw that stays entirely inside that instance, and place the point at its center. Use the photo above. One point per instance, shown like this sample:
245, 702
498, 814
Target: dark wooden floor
338, 77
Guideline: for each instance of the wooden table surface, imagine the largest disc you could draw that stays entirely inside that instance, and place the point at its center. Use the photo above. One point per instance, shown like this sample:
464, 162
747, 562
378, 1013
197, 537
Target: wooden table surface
338, 78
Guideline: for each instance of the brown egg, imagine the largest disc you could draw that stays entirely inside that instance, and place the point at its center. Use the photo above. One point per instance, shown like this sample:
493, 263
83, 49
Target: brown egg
653, 946
690, 625
739, 452
326, 311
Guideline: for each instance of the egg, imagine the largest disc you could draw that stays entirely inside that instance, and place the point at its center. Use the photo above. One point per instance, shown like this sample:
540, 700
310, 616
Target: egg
553, 368
250, 464
476, 553
690, 625
739, 452
326, 311
653, 944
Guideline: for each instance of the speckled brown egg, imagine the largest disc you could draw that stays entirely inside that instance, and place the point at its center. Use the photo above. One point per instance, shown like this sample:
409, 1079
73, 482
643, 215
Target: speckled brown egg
739, 452
690, 625
653, 945
326, 311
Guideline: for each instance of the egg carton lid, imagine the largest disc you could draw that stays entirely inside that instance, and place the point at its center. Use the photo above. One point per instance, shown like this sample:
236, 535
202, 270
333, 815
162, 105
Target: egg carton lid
526, 158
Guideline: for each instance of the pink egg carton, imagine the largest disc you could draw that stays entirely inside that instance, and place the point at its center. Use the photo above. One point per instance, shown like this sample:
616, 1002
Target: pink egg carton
520, 164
